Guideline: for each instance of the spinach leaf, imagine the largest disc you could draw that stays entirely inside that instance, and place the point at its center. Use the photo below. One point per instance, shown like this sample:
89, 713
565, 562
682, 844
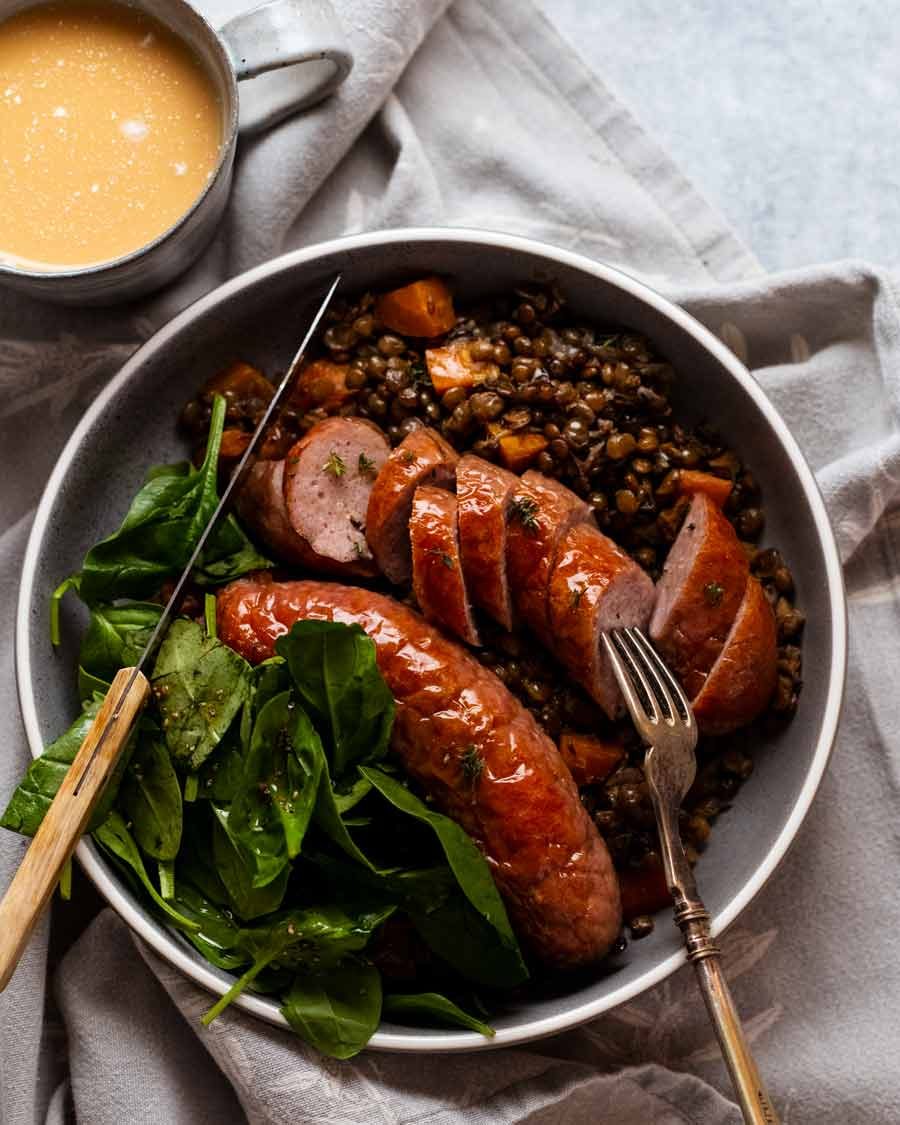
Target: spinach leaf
196, 863
336, 1011
472, 932
314, 937
161, 529
89, 686
32, 796
269, 679
216, 937
114, 836
247, 900
327, 811
274, 802
431, 1007
334, 668
200, 685
116, 637
220, 775
150, 799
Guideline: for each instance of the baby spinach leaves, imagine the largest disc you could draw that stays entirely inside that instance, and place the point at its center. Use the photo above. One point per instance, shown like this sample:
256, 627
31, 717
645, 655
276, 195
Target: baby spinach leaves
200, 685
429, 1008
150, 798
334, 670
337, 1010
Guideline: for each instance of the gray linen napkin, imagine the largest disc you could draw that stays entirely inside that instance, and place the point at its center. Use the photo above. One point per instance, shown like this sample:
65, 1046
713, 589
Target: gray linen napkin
495, 122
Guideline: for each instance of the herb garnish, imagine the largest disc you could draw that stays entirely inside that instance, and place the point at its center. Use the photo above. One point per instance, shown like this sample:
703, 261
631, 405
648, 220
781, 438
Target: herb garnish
407, 457
575, 597
524, 509
366, 466
334, 465
472, 764
713, 592
443, 556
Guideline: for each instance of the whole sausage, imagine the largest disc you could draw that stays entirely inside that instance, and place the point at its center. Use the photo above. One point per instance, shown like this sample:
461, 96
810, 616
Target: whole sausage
519, 802
742, 680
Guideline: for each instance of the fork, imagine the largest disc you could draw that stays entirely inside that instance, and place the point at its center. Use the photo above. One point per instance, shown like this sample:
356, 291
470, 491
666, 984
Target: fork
663, 718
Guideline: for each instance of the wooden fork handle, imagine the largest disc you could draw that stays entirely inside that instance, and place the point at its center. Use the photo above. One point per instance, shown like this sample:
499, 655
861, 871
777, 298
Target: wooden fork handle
67, 817
703, 953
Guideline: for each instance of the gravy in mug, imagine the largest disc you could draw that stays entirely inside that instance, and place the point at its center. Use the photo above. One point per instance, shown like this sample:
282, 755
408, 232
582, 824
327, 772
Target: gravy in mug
110, 128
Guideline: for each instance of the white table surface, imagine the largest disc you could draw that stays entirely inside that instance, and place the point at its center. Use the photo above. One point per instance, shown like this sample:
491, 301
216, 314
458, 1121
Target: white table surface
785, 113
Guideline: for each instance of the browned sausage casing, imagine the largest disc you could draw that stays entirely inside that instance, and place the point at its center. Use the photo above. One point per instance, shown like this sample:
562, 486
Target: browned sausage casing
439, 583
522, 810
742, 680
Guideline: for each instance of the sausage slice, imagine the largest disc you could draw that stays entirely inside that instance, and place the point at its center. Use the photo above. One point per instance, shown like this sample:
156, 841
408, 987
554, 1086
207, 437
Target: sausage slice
541, 512
423, 457
484, 491
476, 751
328, 477
697, 598
743, 678
594, 586
261, 507
439, 582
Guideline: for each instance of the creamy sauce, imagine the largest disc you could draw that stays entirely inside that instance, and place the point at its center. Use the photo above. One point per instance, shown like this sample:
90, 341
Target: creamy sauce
110, 128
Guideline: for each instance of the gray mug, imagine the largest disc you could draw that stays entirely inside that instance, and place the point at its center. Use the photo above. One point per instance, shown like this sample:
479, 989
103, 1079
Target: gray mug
301, 34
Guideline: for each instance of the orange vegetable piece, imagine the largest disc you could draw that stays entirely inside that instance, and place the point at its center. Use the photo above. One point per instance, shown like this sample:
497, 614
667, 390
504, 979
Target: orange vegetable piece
453, 366
240, 381
424, 308
690, 481
517, 451
590, 759
321, 384
644, 891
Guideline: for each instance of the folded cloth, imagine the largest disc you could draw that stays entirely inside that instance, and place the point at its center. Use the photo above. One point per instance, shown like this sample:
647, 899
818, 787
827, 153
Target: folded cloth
494, 122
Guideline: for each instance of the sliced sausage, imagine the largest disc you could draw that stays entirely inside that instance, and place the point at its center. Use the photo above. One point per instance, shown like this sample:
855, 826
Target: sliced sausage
594, 586
475, 750
439, 582
541, 512
743, 678
698, 595
328, 476
423, 457
484, 491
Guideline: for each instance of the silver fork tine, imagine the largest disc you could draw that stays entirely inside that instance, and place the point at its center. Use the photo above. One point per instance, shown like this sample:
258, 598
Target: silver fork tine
649, 668
659, 667
623, 674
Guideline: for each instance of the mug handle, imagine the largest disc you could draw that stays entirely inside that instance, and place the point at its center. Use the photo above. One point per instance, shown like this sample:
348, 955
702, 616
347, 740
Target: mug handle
285, 33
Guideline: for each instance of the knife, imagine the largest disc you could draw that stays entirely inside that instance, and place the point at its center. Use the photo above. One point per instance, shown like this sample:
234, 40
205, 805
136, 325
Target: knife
70, 811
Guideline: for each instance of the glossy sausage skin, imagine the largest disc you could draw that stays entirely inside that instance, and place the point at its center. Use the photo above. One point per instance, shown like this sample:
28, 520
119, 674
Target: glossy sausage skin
439, 583
698, 596
594, 587
523, 809
423, 457
743, 678
541, 512
483, 491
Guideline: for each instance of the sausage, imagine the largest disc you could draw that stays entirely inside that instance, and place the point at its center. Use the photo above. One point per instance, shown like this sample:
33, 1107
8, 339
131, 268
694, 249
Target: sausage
698, 595
594, 586
261, 507
438, 579
423, 457
743, 678
328, 477
541, 512
476, 751
484, 491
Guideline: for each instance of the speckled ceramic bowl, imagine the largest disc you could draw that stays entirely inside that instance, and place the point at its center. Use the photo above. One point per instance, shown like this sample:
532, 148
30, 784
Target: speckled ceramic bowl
261, 316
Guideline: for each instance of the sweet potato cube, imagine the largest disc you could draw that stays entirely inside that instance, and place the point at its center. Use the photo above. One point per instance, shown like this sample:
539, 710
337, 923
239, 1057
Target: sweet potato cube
321, 384
690, 481
453, 366
590, 759
240, 380
424, 308
517, 451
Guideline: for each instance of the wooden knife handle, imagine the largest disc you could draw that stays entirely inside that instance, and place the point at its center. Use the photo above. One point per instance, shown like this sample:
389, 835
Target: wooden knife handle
67, 818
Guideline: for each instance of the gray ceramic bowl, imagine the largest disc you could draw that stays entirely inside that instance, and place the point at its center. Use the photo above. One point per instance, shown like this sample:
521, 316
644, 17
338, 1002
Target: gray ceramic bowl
261, 316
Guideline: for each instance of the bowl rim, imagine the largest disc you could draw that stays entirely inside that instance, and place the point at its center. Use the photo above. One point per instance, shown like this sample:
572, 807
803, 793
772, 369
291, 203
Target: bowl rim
168, 946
